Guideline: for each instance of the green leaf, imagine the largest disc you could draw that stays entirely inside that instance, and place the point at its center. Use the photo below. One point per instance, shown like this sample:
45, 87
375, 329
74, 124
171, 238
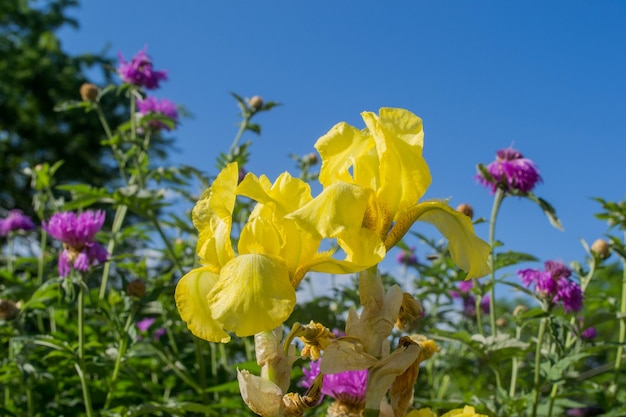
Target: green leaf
549, 211
512, 258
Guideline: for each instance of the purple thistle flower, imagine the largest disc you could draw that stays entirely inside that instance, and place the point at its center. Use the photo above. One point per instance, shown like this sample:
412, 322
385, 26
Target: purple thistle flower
144, 324
16, 220
511, 172
589, 333
554, 285
407, 257
348, 386
163, 107
139, 71
80, 250
466, 286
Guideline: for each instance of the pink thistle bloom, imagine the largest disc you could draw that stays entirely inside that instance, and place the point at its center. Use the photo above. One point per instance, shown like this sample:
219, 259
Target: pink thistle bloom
16, 220
554, 284
407, 257
348, 387
589, 333
77, 233
163, 107
139, 71
511, 172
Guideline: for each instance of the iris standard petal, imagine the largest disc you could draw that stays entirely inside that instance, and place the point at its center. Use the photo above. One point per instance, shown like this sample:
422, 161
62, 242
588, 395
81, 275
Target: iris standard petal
212, 216
404, 175
339, 149
191, 302
339, 208
467, 250
287, 193
253, 294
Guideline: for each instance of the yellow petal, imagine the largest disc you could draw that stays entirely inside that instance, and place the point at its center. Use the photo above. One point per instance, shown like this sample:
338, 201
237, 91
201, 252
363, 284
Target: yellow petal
286, 194
190, 296
340, 149
212, 216
404, 174
467, 250
253, 294
259, 236
339, 208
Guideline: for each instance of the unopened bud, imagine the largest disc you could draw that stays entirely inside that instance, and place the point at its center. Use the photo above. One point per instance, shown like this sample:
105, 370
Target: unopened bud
256, 102
520, 309
501, 322
465, 209
136, 288
310, 159
8, 310
88, 92
601, 248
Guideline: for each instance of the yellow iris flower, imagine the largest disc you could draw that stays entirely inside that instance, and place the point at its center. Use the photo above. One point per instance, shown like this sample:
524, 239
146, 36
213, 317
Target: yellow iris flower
254, 290
375, 177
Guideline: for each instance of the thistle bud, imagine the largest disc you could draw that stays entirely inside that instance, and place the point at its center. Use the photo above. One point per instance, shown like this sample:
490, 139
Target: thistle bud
465, 209
88, 92
310, 159
601, 248
255, 103
136, 288
8, 310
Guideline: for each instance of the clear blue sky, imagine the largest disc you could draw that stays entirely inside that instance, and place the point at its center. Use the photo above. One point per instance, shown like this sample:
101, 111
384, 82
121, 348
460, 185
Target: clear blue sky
547, 77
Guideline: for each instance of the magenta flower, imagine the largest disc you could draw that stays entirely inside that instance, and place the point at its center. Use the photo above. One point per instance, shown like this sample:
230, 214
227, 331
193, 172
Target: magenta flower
77, 232
347, 387
469, 301
15, 221
554, 285
511, 172
589, 333
163, 107
407, 257
145, 324
139, 71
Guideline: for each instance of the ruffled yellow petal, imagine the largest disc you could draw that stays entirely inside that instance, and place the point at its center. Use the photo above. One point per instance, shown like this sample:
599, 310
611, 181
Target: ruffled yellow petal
212, 216
253, 294
190, 296
338, 209
259, 236
285, 195
340, 149
404, 175
467, 250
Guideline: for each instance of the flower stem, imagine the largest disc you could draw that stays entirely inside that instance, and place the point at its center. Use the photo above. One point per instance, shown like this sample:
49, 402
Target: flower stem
120, 354
515, 366
536, 378
242, 128
622, 331
80, 367
497, 202
120, 213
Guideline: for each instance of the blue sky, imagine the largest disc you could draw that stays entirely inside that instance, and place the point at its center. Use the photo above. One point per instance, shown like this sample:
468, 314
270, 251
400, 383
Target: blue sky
548, 78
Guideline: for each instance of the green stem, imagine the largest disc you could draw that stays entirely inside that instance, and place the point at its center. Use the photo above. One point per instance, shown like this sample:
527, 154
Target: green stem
536, 378
168, 245
120, 214
7, 390
242, 128
10, 252
622, 332
477, 308
80, 367
201, 368
120, 354
555, 390
497, 202
107, 131
515, 365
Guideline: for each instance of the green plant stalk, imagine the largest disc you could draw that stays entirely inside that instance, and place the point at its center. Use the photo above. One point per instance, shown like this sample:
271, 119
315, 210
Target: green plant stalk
80, 367
201, 369
120, 354
7, 390
109, 134
622, 331
477, 308
536, 378
553, 392
168, 245
514, 366
242, 128
368, 412
497, 202
30, 404
10, 244
120, 214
